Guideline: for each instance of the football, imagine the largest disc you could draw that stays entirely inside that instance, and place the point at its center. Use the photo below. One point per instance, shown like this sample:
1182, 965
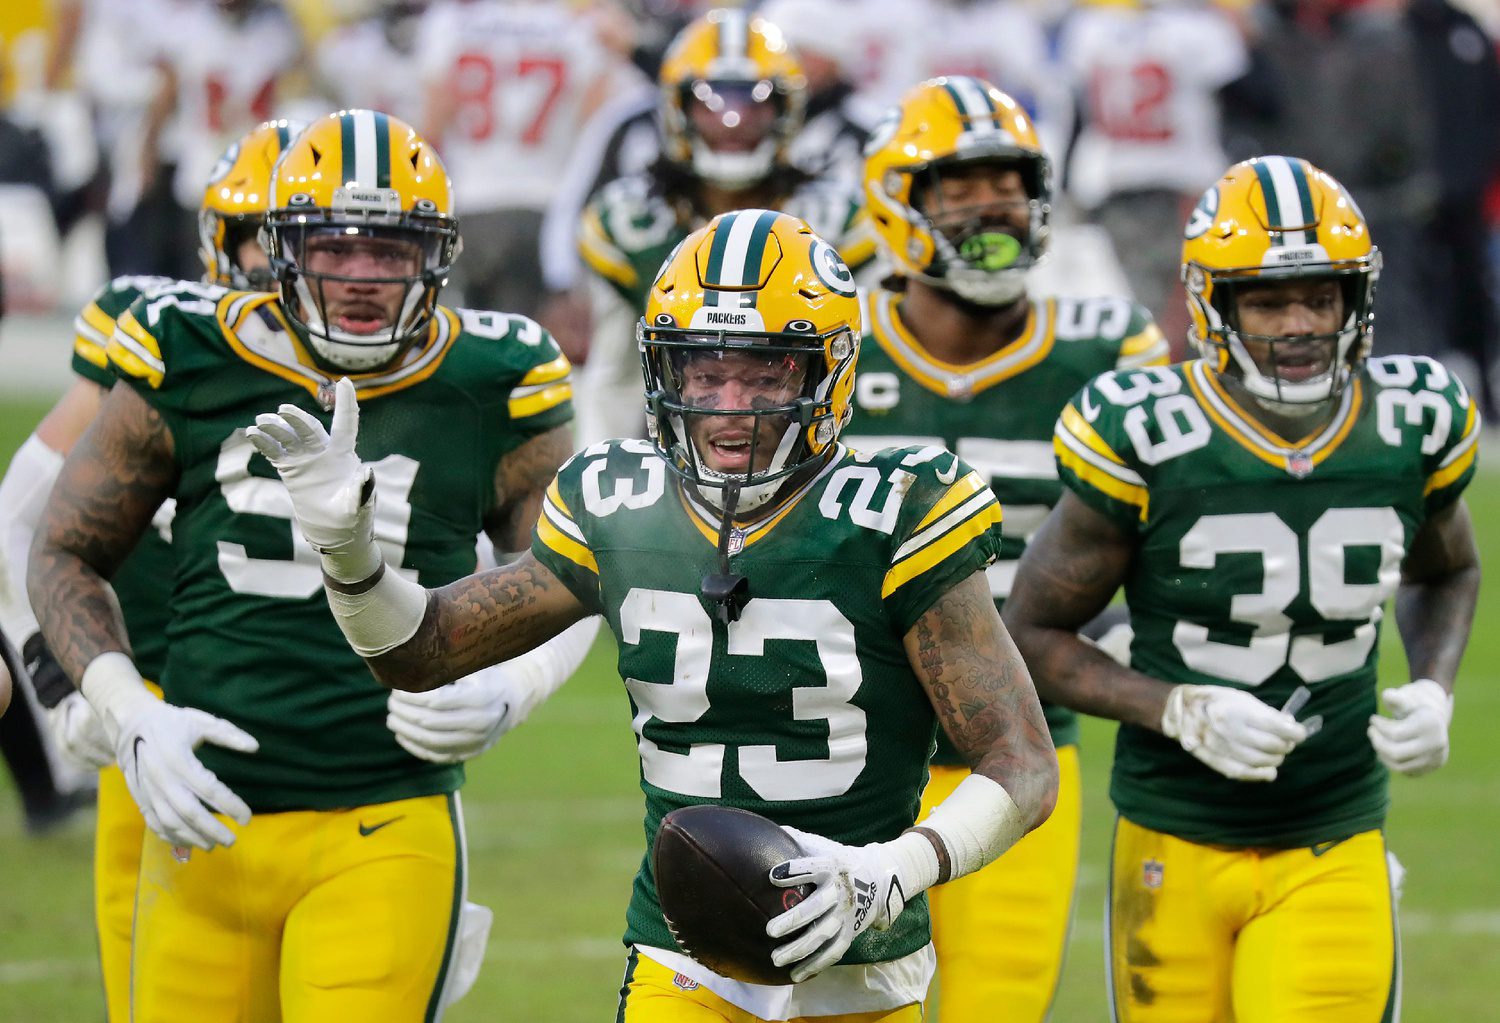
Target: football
712, 865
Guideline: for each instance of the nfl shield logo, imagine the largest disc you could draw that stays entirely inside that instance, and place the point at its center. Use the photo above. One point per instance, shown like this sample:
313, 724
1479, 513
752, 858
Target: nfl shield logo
1299, 464
1152, 874
684, 982
736, 541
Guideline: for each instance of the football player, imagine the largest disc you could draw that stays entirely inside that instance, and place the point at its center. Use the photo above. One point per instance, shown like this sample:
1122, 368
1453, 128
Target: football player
732, 98
292, 915
794, 620
957, 354
1260, 505
230, 215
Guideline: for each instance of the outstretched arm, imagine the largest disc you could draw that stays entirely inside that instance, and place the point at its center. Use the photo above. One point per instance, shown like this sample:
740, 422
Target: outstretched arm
412, 639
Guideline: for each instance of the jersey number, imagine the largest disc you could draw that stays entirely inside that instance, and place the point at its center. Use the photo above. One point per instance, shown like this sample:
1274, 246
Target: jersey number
1329, 541
301, 576
699, 771
477, 77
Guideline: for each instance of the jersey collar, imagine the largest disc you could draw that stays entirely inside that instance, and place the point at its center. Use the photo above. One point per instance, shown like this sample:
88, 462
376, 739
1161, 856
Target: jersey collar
1296, 457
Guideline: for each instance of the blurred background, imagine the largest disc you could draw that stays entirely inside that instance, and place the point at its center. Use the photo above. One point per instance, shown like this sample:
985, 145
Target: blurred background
112, 113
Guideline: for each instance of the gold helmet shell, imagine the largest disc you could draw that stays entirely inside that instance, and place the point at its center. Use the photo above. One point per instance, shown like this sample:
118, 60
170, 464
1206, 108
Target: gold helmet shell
235, 202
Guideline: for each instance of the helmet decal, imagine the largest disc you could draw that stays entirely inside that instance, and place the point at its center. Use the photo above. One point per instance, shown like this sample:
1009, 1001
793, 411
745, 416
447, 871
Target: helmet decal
1202, 217
830, 268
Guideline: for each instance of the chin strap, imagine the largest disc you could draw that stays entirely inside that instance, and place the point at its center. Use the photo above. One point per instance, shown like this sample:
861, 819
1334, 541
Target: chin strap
726, 590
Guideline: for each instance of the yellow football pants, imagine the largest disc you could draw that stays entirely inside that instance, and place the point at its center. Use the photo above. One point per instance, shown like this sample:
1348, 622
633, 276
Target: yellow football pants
118, 831
1001, 932
310, 917
651, 993
1205, 934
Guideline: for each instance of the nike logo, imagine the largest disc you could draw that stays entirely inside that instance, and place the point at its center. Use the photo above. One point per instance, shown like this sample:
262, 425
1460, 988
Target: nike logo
1088, 408
1319, 848
367, 831
947, 478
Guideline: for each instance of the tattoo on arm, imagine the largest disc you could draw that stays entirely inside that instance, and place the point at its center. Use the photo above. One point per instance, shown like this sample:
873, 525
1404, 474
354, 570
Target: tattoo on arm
521, 479
115, 478
983, 696
1073, 565
478, 621
1438, 594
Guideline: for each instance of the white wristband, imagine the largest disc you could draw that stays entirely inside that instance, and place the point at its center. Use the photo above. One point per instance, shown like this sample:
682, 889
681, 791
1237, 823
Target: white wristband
381, 618
23, 494
114, 688
977, 822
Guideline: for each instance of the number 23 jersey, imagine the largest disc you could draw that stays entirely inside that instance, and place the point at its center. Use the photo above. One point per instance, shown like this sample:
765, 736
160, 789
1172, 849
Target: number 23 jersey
251, 638
1264, 566
805, 709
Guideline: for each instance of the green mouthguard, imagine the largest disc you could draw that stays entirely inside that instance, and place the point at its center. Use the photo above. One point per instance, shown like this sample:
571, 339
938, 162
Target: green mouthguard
990, 250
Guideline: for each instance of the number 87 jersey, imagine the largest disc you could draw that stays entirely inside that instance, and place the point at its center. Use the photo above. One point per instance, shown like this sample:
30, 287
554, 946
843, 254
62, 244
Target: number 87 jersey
1264, 565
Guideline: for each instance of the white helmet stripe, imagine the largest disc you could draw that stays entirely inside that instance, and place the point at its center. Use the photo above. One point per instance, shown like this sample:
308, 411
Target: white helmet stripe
737, 251
974, 104
1288, 199
734, 35
364, 149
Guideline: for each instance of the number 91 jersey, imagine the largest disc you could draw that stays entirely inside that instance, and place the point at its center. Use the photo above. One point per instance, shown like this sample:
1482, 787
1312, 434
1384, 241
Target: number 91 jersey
805, 709
251, 638
1264, 566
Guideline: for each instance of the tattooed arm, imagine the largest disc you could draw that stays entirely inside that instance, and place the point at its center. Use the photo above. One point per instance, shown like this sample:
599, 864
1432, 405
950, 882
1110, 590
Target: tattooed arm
1071, 569
983, 696
521, 479
115, 478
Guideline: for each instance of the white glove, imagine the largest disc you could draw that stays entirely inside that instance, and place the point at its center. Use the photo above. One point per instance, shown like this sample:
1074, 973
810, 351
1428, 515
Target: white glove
1231, 731
454, 722
154, 743
333, 493
855, 889
1414, 739
79, 733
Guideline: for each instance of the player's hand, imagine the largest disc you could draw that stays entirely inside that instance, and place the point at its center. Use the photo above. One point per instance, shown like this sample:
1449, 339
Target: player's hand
1414, 739
455, 722
854, 890
154, 743
1231, 731
79, 733
332, 490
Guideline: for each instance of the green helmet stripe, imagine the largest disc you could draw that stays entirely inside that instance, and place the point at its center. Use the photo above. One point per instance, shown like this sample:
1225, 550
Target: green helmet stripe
347, 146
382, 151
713, 273
1273, 207
1304, 197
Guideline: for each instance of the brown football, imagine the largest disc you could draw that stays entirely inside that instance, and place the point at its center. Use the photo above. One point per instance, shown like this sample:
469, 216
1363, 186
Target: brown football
712, 865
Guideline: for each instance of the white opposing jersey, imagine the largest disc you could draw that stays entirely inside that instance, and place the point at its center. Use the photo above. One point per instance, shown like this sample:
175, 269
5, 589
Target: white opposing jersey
359, 67
1147, 79
883, 62
227, 72
523, 75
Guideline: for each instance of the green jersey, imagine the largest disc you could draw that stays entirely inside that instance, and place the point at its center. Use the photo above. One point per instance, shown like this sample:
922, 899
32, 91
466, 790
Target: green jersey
143, 582
628, 231
1264, 566
998, 413
805, 709
251, 638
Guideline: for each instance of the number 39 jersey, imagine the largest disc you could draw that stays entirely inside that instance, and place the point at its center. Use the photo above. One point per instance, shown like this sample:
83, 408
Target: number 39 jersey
805, 709
1265, 567
251, 638
998, 413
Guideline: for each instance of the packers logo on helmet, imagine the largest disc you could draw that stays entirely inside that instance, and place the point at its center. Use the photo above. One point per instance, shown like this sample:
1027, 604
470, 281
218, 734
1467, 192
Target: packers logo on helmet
733, 96
748, 345
938, 128
366, 175
235, 203
1268, 220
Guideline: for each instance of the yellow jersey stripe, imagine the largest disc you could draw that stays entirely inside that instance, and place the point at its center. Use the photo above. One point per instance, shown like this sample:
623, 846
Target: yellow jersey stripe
1072, 420
1128, 493
531, 404
91, 351
100, 321
937, 552
956, 495
135, 332
560, 543
546, 374
132, 365
1148, 348
554, 494
596, 250
563, 522
1452, 471
962, 513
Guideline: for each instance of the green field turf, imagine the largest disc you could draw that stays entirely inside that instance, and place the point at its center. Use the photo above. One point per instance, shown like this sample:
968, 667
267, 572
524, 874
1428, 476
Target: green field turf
555, 836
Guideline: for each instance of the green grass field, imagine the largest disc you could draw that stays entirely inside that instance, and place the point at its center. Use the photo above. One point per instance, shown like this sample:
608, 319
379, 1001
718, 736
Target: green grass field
555, 836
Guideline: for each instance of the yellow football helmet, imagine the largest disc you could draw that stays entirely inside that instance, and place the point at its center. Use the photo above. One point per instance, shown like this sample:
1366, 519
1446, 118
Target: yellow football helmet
732, 97
1271, 219
235, 203
757, 284
361, 172
940, 124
